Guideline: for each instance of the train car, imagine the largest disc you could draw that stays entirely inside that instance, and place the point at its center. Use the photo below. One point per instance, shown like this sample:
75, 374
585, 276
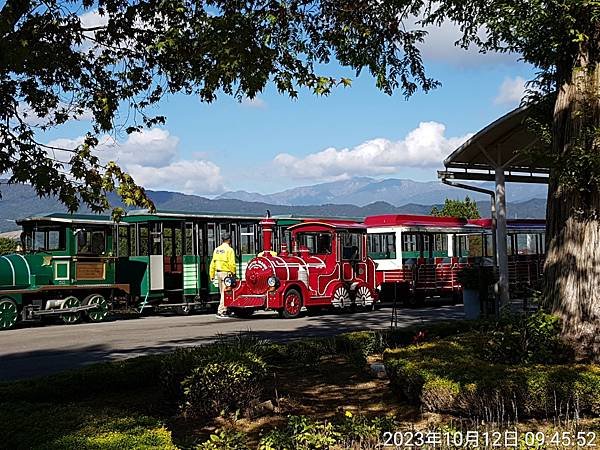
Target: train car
526, 249
66, 270
420, 256
327, 266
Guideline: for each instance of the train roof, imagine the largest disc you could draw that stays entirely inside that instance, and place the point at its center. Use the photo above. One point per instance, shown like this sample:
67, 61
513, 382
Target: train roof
513, 224
414, 220
144, 215
333, 224
92, 219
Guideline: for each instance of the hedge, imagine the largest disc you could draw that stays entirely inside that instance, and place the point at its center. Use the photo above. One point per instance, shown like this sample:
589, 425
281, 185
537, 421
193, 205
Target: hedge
450, 375
65, 427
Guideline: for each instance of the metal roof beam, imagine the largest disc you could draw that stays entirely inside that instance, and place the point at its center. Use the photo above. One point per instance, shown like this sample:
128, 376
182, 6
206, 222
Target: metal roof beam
474, 176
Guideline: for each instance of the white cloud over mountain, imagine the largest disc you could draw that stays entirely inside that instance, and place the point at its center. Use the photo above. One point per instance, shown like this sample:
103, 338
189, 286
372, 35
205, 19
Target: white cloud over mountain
425, 146
152, 158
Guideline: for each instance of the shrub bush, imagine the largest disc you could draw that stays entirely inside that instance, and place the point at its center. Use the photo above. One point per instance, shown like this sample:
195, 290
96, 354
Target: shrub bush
224, 386
451, 376
65, 427
348, 431
187, 364
525, 339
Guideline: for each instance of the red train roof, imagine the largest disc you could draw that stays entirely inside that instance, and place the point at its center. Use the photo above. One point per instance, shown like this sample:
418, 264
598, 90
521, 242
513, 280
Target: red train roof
389, 220
511, 223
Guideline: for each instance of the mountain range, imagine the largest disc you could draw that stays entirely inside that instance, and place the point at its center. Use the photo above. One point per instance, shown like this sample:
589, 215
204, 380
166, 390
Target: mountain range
363, 191
352, 198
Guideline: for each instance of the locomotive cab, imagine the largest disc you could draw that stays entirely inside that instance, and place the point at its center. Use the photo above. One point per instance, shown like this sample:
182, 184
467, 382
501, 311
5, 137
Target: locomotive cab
326, 266
66, 269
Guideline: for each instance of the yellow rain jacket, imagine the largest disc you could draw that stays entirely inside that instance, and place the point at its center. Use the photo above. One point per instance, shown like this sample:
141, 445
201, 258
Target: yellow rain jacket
223, 260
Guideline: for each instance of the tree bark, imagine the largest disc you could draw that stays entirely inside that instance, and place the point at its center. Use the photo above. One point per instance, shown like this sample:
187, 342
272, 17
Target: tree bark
572, 268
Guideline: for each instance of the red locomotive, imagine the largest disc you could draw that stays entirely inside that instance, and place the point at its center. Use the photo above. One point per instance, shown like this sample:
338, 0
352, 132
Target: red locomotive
328, 266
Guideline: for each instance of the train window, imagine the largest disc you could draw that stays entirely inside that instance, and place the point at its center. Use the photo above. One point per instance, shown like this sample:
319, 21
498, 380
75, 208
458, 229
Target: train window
168, 241
124, 243
409, 242
317, 243
247, 239
45, 239
211, 239
526, 244
156, 241
188, 239
475, 245
91, 241
440, 244
426, 244
382, 245
351, 246
143, 240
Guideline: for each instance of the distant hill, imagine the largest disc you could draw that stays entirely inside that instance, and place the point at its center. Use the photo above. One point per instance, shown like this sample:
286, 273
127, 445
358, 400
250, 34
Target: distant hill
363, 191
20, 201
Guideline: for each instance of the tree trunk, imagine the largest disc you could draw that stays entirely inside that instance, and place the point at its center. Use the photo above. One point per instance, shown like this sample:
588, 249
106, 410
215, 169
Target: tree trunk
572, 269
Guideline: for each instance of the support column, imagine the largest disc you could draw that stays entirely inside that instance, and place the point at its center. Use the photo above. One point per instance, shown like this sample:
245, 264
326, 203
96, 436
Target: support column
501, 237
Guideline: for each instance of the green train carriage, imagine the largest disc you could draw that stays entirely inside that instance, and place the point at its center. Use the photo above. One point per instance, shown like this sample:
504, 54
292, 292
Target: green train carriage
66, 269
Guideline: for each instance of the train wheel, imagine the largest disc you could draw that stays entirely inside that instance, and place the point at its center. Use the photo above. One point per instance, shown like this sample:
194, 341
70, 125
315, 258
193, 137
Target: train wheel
292, 303
364, 297
341, 297
73, 317
8, 314
99, 313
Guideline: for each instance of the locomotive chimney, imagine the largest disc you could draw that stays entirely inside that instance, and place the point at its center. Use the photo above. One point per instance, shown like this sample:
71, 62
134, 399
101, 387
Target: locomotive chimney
267, 225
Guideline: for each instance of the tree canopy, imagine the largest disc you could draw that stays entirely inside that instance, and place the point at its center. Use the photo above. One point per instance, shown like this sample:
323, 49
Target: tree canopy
55, 66
466, 209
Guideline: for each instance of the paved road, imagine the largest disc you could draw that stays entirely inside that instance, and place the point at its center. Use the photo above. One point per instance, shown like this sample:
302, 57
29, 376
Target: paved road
40, 350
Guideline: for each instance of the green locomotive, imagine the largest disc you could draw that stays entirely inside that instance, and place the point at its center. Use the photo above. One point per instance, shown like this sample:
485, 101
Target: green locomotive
66, 269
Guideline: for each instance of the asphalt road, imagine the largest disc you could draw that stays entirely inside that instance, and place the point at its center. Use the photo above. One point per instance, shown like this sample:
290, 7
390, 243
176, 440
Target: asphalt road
41, 350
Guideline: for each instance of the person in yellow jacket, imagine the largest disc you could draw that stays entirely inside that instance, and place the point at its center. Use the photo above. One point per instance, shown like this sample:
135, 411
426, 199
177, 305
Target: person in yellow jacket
222, 265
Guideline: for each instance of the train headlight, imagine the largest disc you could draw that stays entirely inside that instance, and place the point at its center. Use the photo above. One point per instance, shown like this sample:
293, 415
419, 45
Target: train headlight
229, 281
273, 282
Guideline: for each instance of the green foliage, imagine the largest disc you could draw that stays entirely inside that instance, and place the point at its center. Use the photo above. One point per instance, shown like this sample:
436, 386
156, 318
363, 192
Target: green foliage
55, 69
347, 431
467, 374
178, 365
64, 427
7, 246
225, 439
219, 387
531, 339
466, 209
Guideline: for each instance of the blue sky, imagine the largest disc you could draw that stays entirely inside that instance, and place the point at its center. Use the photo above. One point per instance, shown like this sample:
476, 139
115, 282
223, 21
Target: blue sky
273, 142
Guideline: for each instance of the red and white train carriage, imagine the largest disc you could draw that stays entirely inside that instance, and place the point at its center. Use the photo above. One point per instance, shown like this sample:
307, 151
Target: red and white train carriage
328, 265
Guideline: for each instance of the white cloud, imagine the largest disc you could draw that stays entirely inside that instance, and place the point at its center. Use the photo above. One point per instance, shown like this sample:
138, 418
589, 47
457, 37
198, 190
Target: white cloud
154, 148
511, 91
425, 146
256, 102
190, 177
152, 158
439, 46
93, 19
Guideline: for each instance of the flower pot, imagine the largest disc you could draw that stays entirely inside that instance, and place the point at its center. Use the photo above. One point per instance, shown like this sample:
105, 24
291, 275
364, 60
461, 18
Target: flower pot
471, 303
